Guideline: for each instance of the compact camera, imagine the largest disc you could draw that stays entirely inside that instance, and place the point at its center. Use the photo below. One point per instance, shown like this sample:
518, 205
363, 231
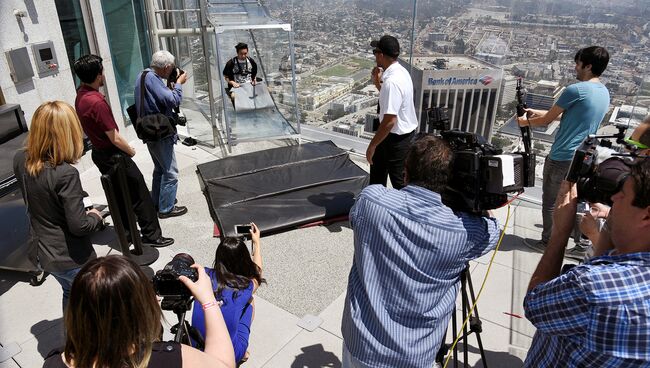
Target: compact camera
166, 282
244, 229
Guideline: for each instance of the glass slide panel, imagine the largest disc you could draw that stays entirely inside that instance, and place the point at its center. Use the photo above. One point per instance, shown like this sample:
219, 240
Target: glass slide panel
273, 97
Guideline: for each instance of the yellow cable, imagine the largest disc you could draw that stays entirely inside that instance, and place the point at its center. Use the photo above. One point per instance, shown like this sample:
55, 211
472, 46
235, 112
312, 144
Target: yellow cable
471, 310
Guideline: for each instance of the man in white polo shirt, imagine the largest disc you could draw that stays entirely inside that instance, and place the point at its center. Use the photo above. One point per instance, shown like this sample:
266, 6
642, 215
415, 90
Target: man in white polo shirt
398, 121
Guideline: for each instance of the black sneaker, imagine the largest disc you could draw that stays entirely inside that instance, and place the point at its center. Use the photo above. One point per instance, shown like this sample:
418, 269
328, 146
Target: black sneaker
158, 243
578, 252
536, 245
176, 211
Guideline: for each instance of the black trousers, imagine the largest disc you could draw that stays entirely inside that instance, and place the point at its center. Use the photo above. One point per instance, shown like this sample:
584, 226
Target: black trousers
145, 213
389, 160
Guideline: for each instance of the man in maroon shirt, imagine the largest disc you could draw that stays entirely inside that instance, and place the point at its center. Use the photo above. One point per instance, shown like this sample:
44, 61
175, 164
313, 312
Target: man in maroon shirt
100, 126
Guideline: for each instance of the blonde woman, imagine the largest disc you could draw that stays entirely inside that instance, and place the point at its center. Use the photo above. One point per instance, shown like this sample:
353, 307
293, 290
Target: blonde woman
53, 194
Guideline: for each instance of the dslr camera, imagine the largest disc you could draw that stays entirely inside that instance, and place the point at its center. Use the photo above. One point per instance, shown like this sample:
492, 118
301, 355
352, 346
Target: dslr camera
599, 168
482, 175
166, 282
173, 77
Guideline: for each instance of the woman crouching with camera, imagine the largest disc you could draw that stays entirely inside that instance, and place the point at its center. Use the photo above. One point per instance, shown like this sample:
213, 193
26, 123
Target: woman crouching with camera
235, 278
113, 321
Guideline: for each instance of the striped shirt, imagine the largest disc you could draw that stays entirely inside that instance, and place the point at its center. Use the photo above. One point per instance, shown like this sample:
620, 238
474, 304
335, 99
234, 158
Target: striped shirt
409, 251
595, 315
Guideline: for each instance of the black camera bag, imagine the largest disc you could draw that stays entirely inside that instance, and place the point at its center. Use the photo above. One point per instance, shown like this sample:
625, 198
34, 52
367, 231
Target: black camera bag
152, 127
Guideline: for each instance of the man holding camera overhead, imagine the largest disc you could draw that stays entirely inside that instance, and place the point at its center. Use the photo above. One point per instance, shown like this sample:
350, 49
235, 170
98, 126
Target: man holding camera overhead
397, 117
409, 252
160, 99
102, 130
596, 314
583, 106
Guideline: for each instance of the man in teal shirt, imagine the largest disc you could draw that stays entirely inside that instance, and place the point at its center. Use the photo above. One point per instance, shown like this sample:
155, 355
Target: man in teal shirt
583, 106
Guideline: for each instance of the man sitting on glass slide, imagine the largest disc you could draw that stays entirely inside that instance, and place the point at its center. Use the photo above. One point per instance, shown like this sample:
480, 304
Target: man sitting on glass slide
240, 69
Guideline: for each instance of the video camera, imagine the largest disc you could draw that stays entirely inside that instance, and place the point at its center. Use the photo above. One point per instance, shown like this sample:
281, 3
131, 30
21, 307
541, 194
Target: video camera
482, 176
166, 282
599, 169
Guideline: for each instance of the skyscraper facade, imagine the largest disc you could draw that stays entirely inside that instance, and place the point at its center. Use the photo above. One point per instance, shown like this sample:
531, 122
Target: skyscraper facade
469, 88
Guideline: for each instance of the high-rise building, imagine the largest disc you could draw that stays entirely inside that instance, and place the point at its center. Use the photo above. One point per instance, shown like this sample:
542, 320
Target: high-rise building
469, 88
543, 95
508, 90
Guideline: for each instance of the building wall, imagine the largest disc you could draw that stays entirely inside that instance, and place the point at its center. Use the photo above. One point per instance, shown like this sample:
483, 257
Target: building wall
508, 91
41, 24
471, 95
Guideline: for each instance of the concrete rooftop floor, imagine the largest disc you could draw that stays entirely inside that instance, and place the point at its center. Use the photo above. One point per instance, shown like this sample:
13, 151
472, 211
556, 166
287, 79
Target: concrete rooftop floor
298, 316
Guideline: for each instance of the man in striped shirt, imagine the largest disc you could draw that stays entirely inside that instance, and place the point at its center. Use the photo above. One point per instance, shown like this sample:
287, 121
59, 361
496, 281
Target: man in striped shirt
409, 251
597, 314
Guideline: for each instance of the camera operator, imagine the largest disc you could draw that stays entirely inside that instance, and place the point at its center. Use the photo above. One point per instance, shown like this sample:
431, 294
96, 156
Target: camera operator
160, 99
596, 314
592, 221
113, 320
235, 277
409, 251
583, 106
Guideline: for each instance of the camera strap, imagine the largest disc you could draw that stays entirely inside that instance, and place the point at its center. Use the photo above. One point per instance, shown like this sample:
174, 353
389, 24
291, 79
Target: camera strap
243, 72
142, 77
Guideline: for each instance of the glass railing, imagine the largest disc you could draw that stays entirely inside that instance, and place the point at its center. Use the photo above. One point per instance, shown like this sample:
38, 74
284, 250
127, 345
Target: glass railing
468, 41
536, 41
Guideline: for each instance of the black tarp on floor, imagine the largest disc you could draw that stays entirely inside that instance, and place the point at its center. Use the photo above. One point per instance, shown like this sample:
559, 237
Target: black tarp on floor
282, 187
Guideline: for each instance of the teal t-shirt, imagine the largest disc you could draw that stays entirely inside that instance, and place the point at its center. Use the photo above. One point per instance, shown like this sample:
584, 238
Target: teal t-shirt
585, 105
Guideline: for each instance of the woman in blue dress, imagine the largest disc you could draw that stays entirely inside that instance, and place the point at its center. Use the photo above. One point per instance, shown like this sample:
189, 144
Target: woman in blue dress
235, 276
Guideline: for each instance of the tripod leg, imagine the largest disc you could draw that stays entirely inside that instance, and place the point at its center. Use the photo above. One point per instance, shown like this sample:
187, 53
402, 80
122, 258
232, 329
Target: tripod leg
463, 284
477, 332
454, 327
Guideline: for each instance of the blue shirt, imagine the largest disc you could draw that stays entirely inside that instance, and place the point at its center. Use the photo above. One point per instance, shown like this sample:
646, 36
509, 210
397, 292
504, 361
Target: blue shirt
595, 315
409, 251
585, 105
237, 313
157, 97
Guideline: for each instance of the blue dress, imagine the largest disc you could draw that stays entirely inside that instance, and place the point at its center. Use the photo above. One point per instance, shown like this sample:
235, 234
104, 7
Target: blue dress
237, 313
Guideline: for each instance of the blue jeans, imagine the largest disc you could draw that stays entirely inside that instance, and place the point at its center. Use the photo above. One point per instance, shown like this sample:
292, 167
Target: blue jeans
554, 174
165, 173
65, 278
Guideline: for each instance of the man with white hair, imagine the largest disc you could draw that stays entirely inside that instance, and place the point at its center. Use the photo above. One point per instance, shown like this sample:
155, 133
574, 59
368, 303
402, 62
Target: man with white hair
158, 98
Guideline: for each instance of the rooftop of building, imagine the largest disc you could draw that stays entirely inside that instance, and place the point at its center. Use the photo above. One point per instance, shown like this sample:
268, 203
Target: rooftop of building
298, 313
451, 62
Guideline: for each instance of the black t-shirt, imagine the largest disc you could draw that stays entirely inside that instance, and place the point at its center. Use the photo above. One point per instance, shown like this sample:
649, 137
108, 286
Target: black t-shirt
240, 71
164, 355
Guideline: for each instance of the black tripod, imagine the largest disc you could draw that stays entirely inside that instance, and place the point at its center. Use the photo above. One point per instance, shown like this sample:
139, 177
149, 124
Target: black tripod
183, 332
475, 324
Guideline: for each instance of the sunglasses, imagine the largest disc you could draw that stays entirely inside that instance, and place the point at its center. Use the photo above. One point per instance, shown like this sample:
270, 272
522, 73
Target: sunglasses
377, 51
636, 144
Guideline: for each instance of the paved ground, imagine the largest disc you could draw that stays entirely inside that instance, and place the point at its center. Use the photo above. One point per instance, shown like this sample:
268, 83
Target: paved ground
306, 271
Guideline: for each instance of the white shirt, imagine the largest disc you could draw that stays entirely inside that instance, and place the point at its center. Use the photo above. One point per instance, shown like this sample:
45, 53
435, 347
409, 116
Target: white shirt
396, 98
